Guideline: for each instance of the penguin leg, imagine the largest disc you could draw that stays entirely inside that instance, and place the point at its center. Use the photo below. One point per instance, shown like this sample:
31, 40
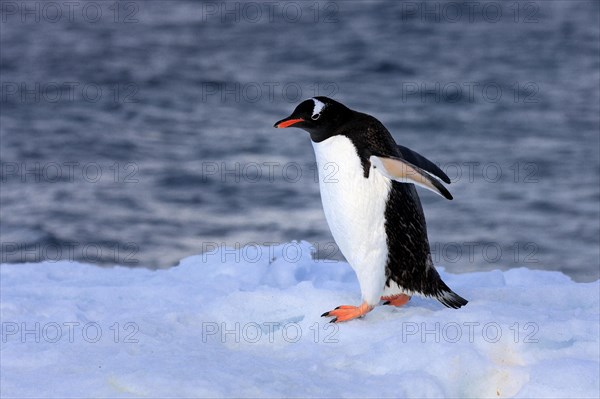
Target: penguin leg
396, 300
347, 312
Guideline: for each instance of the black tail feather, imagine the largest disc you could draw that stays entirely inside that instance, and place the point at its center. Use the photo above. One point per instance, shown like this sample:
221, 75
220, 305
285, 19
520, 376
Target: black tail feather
451, 299
437, 289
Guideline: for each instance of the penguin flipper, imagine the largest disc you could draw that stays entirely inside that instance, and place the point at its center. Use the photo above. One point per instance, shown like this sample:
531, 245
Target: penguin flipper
419, 160
403, 171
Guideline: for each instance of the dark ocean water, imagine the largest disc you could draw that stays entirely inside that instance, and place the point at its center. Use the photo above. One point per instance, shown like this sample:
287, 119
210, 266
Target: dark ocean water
140, 132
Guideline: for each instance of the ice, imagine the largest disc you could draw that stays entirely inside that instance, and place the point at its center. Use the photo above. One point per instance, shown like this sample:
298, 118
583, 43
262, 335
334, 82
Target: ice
246, 323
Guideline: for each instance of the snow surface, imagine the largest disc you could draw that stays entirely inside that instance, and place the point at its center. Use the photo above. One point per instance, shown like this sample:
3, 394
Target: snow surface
247, 323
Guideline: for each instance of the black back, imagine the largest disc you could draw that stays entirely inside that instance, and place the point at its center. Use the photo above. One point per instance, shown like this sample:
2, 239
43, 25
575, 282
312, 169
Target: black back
408, 245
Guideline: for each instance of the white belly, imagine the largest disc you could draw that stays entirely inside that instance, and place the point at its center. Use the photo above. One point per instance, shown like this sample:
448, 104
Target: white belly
355, 211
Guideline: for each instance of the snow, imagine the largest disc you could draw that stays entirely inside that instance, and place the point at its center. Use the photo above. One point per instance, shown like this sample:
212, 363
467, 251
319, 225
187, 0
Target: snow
246, 323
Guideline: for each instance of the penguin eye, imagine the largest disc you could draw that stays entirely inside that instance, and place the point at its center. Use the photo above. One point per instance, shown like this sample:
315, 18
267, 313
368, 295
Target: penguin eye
315, 117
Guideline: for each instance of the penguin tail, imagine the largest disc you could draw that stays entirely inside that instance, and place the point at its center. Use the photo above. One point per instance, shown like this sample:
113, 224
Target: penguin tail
436, 288
450, 298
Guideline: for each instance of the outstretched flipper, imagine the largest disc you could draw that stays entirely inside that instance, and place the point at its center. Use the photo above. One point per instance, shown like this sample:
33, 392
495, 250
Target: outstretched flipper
419, 160
404, 172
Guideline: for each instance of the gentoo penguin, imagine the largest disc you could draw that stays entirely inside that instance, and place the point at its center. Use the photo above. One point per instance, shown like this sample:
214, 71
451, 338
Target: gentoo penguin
372, 206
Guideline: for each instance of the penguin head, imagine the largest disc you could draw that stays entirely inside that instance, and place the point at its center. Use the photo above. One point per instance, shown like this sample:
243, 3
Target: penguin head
319, 116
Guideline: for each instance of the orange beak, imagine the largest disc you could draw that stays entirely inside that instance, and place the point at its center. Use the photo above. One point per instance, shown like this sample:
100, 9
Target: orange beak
287, 123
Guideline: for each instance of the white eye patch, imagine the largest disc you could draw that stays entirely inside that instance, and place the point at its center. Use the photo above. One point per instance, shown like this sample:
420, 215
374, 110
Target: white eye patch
317, 108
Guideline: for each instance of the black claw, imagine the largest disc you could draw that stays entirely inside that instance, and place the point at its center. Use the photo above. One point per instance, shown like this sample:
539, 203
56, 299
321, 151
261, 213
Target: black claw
337, 308
325, 314
334, 320
386, 302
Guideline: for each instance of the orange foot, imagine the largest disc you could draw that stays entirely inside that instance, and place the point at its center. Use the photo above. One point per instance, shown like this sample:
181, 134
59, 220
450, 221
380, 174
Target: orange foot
396, 300
346, 312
